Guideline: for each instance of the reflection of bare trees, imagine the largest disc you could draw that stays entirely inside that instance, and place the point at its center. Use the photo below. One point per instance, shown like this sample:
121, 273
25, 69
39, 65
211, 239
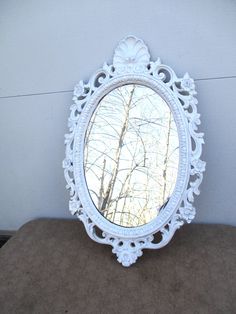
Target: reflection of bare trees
166, 157
131, 155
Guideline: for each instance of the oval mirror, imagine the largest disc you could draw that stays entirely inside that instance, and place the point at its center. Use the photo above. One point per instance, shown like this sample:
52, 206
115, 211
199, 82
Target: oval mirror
133, 152
131, 155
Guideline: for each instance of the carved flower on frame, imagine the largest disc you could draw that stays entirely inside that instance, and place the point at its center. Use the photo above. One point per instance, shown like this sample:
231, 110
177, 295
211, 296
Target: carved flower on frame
66, 163
72, 122
79, 89
187, 83
74, 207
198, 166
188, 213
127, 258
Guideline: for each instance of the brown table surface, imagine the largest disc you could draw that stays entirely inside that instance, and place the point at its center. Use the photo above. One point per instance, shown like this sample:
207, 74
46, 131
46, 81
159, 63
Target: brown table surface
51, 266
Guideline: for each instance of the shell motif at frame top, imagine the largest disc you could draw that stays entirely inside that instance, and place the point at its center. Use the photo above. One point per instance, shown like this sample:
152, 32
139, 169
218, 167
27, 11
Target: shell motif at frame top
131, 51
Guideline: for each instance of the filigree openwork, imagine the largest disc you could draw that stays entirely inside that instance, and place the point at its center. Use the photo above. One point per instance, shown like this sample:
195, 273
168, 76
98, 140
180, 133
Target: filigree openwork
132, 64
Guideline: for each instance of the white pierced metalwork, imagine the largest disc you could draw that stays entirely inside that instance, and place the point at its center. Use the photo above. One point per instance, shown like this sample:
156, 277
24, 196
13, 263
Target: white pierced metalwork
131, 64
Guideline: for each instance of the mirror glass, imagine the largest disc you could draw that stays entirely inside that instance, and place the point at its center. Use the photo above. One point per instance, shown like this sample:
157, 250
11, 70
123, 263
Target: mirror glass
131, 155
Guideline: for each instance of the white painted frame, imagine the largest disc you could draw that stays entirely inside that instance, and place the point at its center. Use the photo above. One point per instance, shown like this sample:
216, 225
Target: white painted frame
131, 64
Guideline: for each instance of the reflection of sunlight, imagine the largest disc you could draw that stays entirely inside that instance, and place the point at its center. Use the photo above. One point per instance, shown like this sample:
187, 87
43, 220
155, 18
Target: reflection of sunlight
131, 155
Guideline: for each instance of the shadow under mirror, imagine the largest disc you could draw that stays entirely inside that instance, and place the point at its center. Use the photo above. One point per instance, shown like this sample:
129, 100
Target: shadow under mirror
131, 155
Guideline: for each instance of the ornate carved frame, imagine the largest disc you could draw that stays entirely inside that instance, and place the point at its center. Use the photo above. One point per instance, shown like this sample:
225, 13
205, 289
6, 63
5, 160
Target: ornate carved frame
131, 64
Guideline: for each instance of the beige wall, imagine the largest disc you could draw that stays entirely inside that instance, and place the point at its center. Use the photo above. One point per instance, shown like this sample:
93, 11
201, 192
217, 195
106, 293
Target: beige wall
48, 46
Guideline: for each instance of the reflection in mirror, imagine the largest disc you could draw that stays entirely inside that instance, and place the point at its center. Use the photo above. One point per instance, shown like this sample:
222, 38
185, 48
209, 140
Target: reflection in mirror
131, 155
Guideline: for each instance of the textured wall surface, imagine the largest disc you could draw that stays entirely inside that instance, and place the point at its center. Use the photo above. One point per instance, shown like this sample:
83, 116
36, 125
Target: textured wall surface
46, 47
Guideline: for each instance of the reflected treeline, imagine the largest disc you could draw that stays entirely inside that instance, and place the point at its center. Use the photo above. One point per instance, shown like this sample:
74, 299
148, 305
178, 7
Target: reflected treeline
131, 155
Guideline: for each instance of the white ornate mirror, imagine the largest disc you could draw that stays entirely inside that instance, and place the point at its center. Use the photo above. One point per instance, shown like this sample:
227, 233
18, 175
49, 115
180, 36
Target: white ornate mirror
133, 152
